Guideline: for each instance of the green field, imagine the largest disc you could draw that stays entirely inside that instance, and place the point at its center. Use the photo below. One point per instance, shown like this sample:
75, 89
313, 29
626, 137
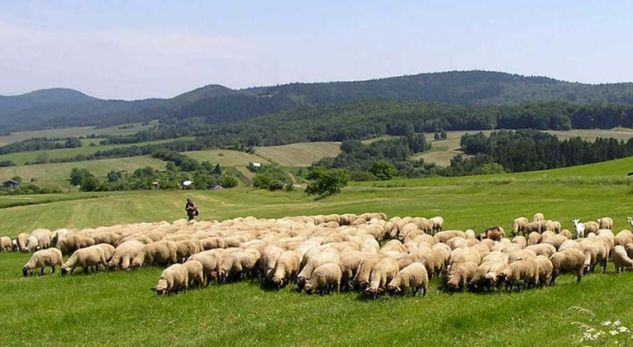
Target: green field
56, 174
299, 154
19, 158
119, 309
74, 132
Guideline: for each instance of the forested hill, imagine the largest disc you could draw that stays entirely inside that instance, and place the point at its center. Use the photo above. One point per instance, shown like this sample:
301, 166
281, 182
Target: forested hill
218, 104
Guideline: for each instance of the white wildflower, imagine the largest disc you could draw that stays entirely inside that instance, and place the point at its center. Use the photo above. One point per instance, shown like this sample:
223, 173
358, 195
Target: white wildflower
613, 332
623, 329
606, 323
617, 323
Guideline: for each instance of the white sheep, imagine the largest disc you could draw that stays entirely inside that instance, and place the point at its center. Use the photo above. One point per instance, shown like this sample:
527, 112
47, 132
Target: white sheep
5, 244
39, 260
85, 258
172, 280
621, 259
413, 276
286, 268
324, 278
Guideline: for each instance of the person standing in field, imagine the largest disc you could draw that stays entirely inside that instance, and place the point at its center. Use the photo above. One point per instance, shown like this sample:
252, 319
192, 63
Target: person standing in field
191, 209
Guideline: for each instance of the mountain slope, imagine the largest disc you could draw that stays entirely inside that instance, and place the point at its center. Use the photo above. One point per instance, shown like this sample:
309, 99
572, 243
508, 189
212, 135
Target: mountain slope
218, 104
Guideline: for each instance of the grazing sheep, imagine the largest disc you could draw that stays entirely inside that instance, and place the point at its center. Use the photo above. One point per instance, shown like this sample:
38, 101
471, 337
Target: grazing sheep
538, 217
493, 233
438, 223
74, 241
621, 259
460, 274
413, 276
58, 235
520, 240
324, 278
85, 258
381, 274
267, 262
444, 236
195, 272
43, 237
5, 244
186, 248
534, 226
556, 240
172, 280
210, 261
543, 249
519, 225
32, 244
514, 273
470, 234
629, 249
605, 223
566, 233
551, 226
162, 253
569, 260
127, 255
39, 260
108, 251
624, 237
212, 243
534, 238
21, 241
286, 268
523, 254
544, 269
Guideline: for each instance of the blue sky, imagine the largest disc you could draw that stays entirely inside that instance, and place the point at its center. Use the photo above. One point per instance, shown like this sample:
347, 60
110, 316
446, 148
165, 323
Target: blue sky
137, 49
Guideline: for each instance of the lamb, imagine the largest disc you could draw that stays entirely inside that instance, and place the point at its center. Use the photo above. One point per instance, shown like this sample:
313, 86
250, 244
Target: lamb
172, 280
605, 223
5, 244
41, 259
438, 223
85, 258
325, 257
286, 268
569, 260
470, 234
325, 278
519, 225
162, 252
460, 274
21, 241
129, 254
195, 273
413, 276
381, 274
523, 270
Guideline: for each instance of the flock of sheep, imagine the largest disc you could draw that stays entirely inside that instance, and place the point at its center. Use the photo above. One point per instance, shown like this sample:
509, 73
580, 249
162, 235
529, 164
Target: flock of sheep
368, 252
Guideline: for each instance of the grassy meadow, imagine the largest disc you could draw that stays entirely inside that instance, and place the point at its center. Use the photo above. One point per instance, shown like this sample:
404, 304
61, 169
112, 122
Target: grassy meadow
117, 308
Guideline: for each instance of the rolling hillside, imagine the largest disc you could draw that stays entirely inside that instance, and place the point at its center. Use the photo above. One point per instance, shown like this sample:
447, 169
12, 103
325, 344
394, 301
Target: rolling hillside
218, 104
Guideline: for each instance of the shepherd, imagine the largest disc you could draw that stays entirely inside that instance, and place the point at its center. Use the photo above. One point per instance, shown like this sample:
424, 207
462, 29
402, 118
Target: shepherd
191, 209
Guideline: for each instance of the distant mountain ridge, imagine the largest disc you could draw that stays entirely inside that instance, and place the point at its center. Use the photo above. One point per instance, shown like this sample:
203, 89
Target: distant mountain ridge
218, 104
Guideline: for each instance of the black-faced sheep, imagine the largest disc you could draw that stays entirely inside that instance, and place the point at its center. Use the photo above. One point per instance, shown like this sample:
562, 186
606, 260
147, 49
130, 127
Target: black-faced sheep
41, 259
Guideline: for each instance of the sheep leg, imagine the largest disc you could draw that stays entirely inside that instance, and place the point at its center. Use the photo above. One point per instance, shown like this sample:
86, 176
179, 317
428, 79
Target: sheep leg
578, 277
53, 269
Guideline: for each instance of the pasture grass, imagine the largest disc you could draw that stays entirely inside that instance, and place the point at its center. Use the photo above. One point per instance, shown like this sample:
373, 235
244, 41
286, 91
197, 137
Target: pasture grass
299, 154
118, 309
